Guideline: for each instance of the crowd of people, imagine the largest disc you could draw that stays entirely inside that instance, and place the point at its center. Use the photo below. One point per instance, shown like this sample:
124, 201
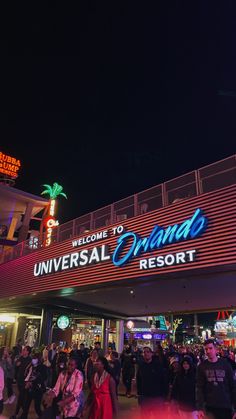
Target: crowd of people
186, 382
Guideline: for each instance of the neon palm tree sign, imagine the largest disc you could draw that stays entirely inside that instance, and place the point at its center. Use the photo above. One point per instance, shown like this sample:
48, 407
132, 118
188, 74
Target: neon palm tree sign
49, 220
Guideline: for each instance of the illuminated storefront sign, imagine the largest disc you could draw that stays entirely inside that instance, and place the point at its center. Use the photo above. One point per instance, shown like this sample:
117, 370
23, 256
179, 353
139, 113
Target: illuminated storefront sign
129, 246
146, 336
130, 324
9, 166
63, 322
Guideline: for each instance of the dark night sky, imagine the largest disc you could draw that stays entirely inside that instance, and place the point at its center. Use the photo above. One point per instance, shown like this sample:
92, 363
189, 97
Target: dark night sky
108, 102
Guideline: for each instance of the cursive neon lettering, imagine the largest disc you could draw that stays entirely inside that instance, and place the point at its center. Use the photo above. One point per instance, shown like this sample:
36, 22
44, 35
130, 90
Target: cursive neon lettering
131, 245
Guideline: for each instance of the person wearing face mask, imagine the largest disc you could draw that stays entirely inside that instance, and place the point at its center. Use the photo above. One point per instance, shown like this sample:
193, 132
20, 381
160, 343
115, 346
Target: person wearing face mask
36, 376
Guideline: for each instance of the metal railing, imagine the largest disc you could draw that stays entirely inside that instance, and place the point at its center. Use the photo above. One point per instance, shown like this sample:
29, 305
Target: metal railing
206, 179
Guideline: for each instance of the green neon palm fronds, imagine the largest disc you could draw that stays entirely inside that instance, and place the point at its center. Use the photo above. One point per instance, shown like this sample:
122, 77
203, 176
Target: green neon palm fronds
63, 194
53, 191
48, 190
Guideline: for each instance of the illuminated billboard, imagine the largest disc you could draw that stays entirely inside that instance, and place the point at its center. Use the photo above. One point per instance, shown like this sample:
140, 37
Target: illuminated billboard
9, 165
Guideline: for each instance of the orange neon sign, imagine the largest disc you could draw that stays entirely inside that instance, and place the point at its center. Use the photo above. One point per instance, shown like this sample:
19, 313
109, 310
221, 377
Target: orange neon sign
50, 222
9, 165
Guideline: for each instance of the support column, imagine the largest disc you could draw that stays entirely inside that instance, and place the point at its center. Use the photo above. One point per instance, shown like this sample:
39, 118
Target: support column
12, 228
25, 225
45, 335
119, 336
105, 334
14, 332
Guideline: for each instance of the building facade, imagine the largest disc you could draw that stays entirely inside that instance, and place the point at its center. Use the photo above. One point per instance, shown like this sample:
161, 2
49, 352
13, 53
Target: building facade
169, 249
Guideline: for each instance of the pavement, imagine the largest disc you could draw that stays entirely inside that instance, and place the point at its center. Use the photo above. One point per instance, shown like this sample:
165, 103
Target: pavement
128, 407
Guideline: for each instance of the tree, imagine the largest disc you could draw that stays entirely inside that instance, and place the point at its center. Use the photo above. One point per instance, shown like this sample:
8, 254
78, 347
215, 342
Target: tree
175, 326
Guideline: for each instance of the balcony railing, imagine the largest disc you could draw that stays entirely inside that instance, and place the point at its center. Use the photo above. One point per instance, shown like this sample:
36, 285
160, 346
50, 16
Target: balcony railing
209, 178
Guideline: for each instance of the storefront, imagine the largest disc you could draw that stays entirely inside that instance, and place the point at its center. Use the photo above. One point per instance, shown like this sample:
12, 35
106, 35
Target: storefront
82, 330
225, 328
149, 331
14, 326
179, 257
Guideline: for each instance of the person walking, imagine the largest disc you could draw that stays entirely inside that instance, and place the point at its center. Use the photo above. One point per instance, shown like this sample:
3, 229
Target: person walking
215, 387
151, 384
102, 400
89, 367
52, 359
184, 388
22, 363
97, 346
128, 370
70, 384
75, 354
82, 355
115, 368
8, 368
36, 376
47, 364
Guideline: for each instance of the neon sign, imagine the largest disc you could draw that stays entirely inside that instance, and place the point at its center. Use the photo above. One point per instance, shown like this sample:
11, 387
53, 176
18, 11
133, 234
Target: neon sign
133, 245
147, 336
129, 246
130, 324
9, 165
50, 222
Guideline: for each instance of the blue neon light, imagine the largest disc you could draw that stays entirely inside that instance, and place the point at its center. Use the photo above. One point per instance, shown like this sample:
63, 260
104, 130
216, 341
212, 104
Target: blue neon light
134, 245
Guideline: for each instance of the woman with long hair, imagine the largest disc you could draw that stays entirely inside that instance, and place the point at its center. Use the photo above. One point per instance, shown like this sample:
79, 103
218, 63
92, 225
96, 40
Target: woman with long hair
102, 400
8, 368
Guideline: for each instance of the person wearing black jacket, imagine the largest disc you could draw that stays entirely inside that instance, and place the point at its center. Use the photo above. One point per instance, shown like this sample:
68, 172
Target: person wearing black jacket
215, 387
22, 363
115, 368
128, 370
184, 389
36, 376
75, 354
151, 384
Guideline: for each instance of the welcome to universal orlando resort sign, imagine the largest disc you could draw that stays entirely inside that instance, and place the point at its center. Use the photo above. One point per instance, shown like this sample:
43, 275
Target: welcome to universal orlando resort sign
129, 246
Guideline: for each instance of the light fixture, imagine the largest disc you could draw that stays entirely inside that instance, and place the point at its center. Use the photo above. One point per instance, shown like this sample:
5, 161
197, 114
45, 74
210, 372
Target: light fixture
7, 318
